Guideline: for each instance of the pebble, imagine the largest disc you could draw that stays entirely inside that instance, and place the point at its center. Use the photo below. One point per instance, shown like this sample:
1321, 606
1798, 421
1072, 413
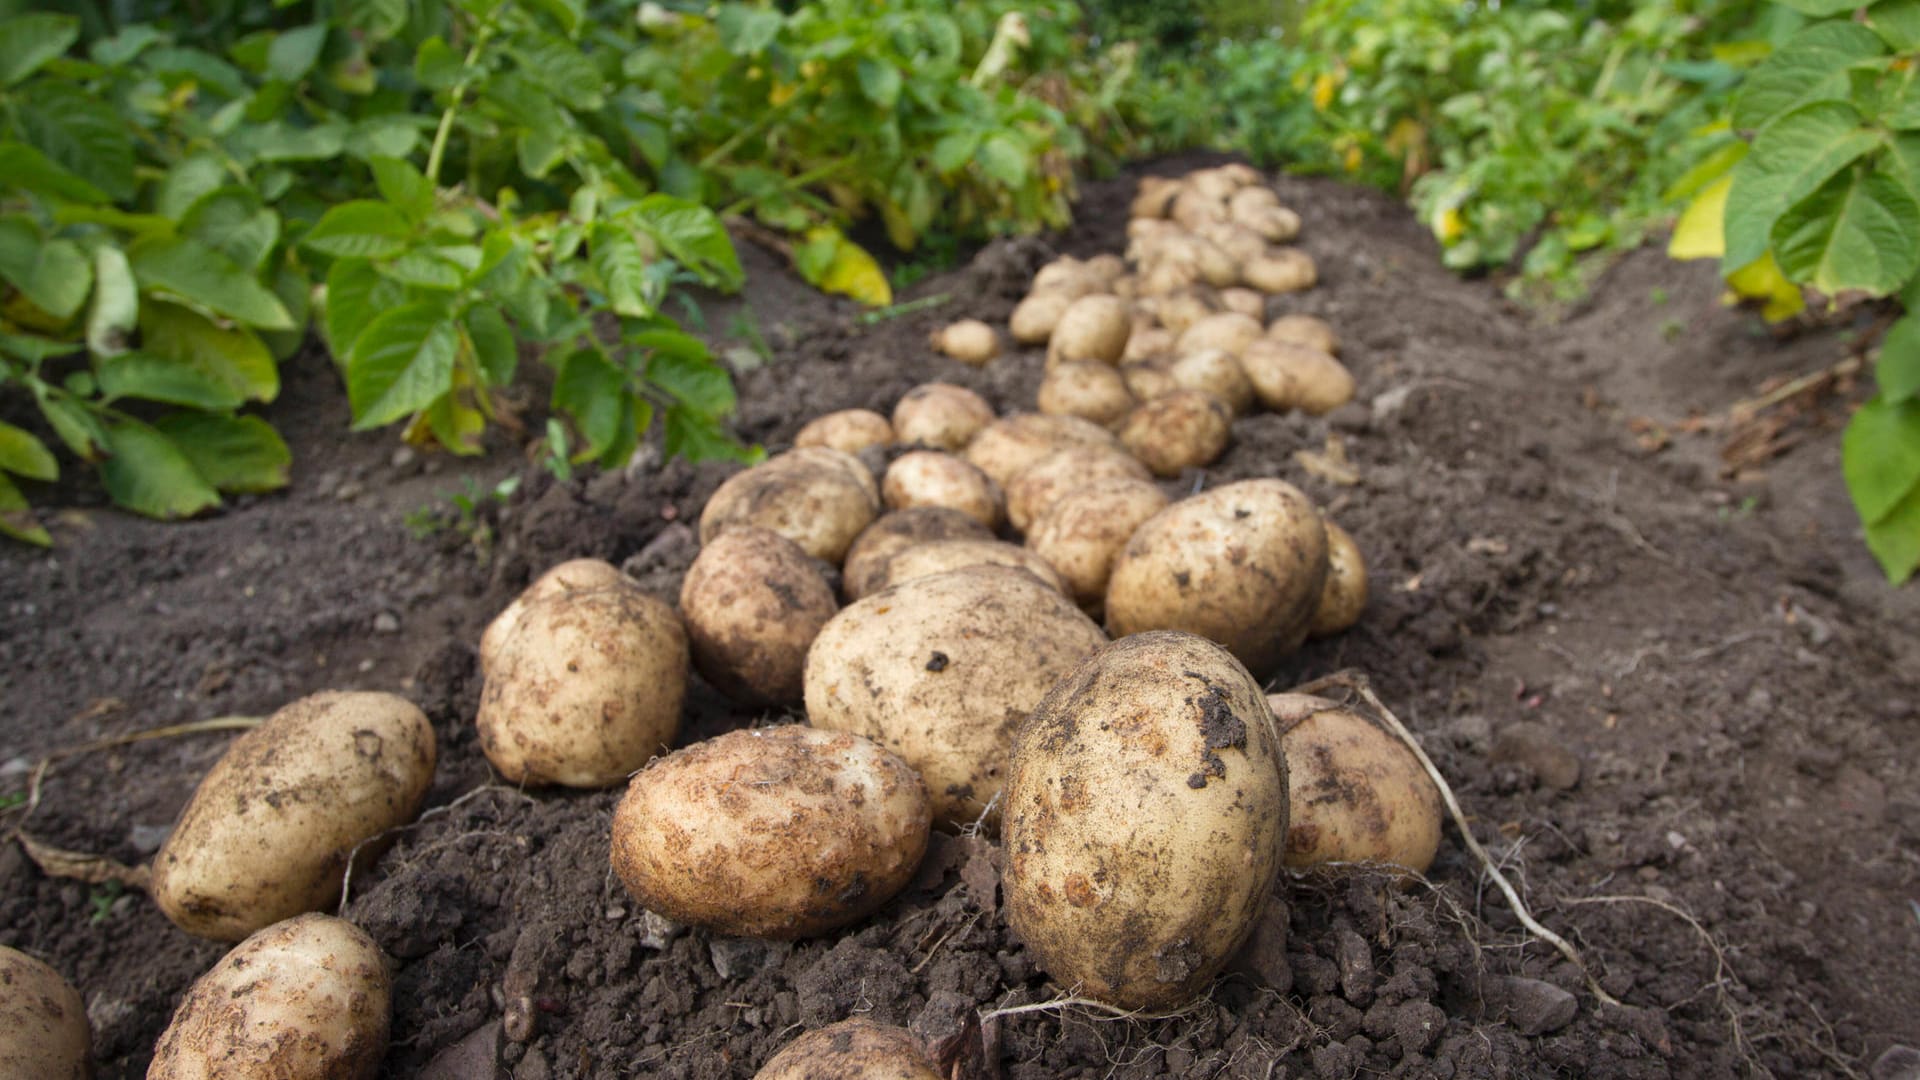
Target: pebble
146, 839
386, 623
737, 956
657, 931
1540, 750
403, 457
474, 1057
1355, 958
1897, 1063
1534, 1007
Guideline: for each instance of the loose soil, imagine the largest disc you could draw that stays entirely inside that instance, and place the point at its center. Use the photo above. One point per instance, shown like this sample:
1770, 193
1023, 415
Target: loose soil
1679, 709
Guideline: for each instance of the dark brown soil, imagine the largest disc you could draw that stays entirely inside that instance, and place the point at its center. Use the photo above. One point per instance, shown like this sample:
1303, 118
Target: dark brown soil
1680, 711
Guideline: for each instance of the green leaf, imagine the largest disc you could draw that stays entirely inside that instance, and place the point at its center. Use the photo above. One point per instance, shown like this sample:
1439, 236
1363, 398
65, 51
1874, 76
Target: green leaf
234, 222
233, 357
1895, 539
34, 349
294, 52
1820, 9
1003, 159
28, 41
191, 179
953, 151
423, 269
698, 437
157, 378
54, 274
378, 19
295, 290
1856, 232
182, 65
361, 229
404, 187
1901, 109
1810, 67
622, 268
1898, 369
356, 292
122, 48
394, 135
197, 273
1880, 455
436, 66
696, 381
82, 134
148, 474
233, 453
26, 168
694, 237
558, 66
400, 363
879, 81
116, 302
592, 389
16, 517
78, 428
746, 30
280, 141
1791, 159
24, 455
493, 344
1897, 22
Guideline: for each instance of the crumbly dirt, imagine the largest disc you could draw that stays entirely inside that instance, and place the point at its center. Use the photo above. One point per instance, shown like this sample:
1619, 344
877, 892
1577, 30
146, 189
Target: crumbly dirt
1674, 697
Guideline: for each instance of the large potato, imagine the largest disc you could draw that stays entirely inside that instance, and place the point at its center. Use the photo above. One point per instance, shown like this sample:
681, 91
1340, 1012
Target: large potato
43, 1022
304, 999
1085, 388
893, 533
1178, 430
848, 431
1011, 444
1228, 331
1306, 330
1281, 270
1216, 372
942, 670
940, 556
1344, 597
268, 832
1092, 328
1358, 794
817, 497
1038, 485
940, 415
1084, 530
778, 832
856, 1049
574, 575
586, 690
1241, 564
752, 602
935, 478
1289, 376
1144, 820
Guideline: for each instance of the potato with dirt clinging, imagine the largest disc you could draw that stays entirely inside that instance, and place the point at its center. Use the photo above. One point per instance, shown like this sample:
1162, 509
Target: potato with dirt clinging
1344, 597
969, 341
1144, 818
574, 575
1092, 328
1358, 794
1084, 530
777, 832
304, 999
856, 1049
1038, 485
43, 1022
1248, 302
1179, 430
1085, 388
269, 831
1242, 564
817, 497
1034, 318
752, 602
848, 431
1288, 376
1228, 331
940, 415
1012, 443
942, 670
1306, 330
1212, 371
934, 478
894, 532
1281, 270
1149, 379
940, 556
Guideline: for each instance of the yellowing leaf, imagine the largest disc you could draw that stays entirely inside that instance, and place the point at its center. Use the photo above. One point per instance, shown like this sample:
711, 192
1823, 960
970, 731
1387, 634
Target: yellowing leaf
1701, 231
781, 93
1451, 226
1762, 280
1352, 158
838, 265
1323, 87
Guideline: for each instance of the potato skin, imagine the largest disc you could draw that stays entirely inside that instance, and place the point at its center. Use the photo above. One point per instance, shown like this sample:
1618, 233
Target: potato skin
1358, 794
573, 575
1081, 534
817, 497
848, 431
43, 1022
1168, 734
1012, 443
1306, 330
304, 999
1228, 331
778, 832
856, 1049
1087, 389
943, 669
752, 603
936, 478
941, 416
1289, 376
1038, 485
1215, 372
940, 556
1093, 327
1177, 431
866, 568
969, 341
1242, 565
269, 830
1034, 318
1280, 270
1344, 597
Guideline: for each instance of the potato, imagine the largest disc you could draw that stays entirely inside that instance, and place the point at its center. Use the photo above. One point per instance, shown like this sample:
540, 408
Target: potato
752, 603
1217, 268
1180, 311
1241, 245
1242, 564
1216, 372
1344, 597
1034, 318
1163, 277
1193, 209
1179, 430
848, 431
586, 689
943, 670
1228, 331
1126, 287
856, 1049
1216, 183
1105, 268
1248, 302
932, 478
940, 556
268, 832
1087, 389
1082, 532
1155, 195
969, 341
304, 999
1275, 224
1009, 445
1280, 270
778, 832
1247, 200
1144, 818
1037, 486
1358, 794
1060, 273
574, 575
1304, 330
895, 532
1241, 173
1092, 328
1149, 379
941, 416
1147, 343
1288, 376
43, 1022
817, 497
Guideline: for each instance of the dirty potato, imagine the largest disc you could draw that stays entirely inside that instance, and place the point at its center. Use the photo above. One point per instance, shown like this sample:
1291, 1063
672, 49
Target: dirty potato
1085, 388
1306, 330
1034, 318
1288, 376
574, 575
1344, 597
1358, 794
941, 416
817, 497
1228, 331
1281, 270
1037, 486
894, 532
43, 1022
752, 603
1176, 431
1215, 372
969, 341
856, 1049
1009, 445
1092, 328
933, 478
940, 556
848, 431
1084, 530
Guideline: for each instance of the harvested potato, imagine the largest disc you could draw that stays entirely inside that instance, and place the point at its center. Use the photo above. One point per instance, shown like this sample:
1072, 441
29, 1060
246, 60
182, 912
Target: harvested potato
1217, 183
1145, 814
586, 689
1194, 209
1241, 245
1358, 794
1288, 376
893, 533
1164, 277
1147, 343
1280, 270
1248, 199
1242, 564
1126, 287
1275, 224
1241, 173
1179, 430
304, 999
969, 341
752, 602
848, 431
1092, 328
943, 670
1034, 318
778, 832
1106, 268
1217, 268
1228, 331
1087, 389
1149, 379
1154, 197
1249, 302
933, 478
1180, 311
1304, 330
814, 496
44, 1033
856, 1049
1036, 487
1083, 531
574, 575
1344, 597
269, 831
940, 415
940, 556
1062, 272
1011, 444
1216, 372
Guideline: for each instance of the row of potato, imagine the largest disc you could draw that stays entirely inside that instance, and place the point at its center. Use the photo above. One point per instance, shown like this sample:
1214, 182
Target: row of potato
952, 679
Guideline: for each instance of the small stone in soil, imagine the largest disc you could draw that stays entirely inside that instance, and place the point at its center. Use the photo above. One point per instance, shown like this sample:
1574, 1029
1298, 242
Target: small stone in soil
1356, 967
1897, 1063
386, 623
474, 1057
1534, 1007
146, 839
657, 931
1536, 747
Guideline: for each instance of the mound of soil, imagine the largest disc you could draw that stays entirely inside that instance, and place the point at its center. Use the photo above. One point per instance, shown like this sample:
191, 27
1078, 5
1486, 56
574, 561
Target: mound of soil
1671, 692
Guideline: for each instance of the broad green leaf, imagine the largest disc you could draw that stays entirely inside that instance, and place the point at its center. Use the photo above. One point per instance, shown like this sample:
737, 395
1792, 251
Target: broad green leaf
81, 133
19, 249
622, 269
454, 421
379, 19
589, 387
17, 518
493, 344
197, 273
746, 30
1003, 159
1895, 539
209, 72
1901, 109
879, 81
123, 47
191, 179
689, 375
1821, 9
294, 52
567, 14
1898, 369
1856, 232
33, 348
423, 270
1880, 455
279, 141
234, 222
147, 474
24, 455
26, 168
356, 293
1701, 231
233, 453
1791, 159
558, 66
1810, 67
149, 377
61, 279
1903, 161
394, 136
140, 225
295, 290
436, 66
233, 357
953, 151
694, 237
403, 187
116, 302
361, 229
1897, 22
698, 437
28, 41
400, 363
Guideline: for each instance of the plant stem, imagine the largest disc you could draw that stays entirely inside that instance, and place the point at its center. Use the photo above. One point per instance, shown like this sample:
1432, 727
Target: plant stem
445, 130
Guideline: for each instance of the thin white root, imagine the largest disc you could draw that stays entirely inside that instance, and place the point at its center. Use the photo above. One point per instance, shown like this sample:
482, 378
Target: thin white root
35, 782
1072, 1001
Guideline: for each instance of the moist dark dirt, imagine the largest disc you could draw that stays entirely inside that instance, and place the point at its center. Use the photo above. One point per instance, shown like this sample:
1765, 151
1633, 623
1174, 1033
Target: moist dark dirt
1676, 701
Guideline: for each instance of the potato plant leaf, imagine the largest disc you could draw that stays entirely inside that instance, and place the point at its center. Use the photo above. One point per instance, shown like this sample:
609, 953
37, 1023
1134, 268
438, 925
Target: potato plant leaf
1792, 157
149, 377
26, 168
232, 357
148, 474
24, 455
361, 229
1895, 539
29, 41
81, 133
400, 363
1856, 232
694, 236
200, 275
356, 292
1880, 455
1898, 369
680, 365
1811, 67
116, 302
17, 518
493, 345
622, 268
591, 389
233, 453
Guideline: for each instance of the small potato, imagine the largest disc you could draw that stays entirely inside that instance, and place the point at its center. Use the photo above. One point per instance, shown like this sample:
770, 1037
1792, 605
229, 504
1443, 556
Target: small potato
940, 556
752, 602
894, 532
1288, 376
1154, 197
1216, 372
1358, 794
1275, 224
1059, 273
1087, 389
1280, 270
1248, 199
1011, 444
1166, 276
1038, 485
1242, 564
1304, 330
969, 341
1248, 302
1145, 814
43, 1022
856, 1049
574, 575
1217, 268
1034, 318
1147, 343
1084, 530
1194, 209
941, 416
780, 832
1228, 331
1149, 379
1105, 268
932, 478
1177, 431
268, 833
1217, 183
848, 431
814, 496
1126, 287
304, 999
1092, 328
1179, 312
1344, 598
